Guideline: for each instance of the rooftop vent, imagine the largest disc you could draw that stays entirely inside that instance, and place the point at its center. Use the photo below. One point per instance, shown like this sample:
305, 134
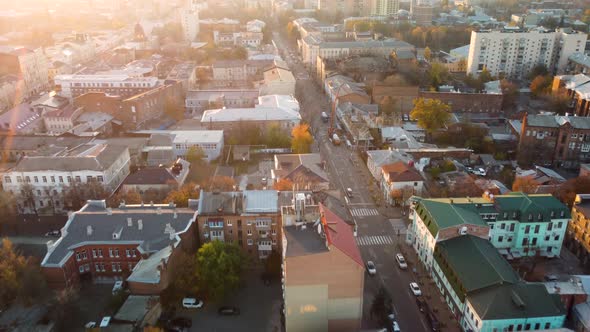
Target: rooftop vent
89, 230
109, 211
129, 222
139, 224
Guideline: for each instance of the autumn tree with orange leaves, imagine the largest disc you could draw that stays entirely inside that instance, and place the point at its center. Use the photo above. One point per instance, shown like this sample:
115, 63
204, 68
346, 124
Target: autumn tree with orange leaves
283, 185
302, 139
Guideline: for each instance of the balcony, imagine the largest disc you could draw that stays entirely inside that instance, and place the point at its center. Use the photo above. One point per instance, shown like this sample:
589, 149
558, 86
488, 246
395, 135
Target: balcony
264, 247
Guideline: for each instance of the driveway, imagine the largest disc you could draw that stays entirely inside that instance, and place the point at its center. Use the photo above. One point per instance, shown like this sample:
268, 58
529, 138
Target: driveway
259, 309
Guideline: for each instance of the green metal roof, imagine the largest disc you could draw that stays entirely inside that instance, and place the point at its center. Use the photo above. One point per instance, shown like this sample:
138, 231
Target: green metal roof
532, 205
443, 213
471, 263
518, 301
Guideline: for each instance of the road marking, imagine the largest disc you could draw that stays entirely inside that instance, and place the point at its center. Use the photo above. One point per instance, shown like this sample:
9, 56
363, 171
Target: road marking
363, 212
374, 240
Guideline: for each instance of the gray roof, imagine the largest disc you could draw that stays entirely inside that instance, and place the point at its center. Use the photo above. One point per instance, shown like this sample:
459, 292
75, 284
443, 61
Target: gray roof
136, 307
261, 201
382, 157
152, 238
30, 143
555, 121
303, 242
393, 43
93, 157
147, 271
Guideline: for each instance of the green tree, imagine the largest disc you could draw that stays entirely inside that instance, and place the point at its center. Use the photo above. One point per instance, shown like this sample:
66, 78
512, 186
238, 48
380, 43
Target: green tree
485, 76
381, 307
431, 114
438, 75
195, 155
538, 70
185, 279
275, 137
220, 268
301, 139
427, 53
525, 184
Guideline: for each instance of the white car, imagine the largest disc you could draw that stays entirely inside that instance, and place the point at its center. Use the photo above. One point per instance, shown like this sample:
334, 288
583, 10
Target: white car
118, 286
395, 327
401, 261
106, 320
415, 289
191, 303
371, 268
90, 325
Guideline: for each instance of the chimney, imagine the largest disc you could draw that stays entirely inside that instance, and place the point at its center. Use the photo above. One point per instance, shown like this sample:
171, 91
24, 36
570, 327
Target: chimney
89, 230
122, 205
159, 210
175, 215
109, 211
129, 221
139, 224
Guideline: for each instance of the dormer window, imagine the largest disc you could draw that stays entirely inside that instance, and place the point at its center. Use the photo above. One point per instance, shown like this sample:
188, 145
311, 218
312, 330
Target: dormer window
530, 216
561, 213
552, 214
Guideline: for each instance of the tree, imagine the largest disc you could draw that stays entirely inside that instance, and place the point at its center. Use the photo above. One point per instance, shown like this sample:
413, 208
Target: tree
173, 109
283, 185
381, 306
7, 205
221, 183
220, 268
27, 197
427, 53
128, 197
525, 184
538, 70
185, 279
181, 196
77, 193
510, 92
195, 155
20, 277
302, 139
559, 103
485, 76
438, 75
568, 190
431, 114
540, 85
275, 137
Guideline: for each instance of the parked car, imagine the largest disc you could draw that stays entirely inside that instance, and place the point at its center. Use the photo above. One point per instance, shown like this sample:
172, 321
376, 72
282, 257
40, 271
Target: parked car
117, 287
401, 261
181, 322
415, 289
349, 192
371, 268
191, 303
90, 325
228, 311
53, 233
394, 324
105, 321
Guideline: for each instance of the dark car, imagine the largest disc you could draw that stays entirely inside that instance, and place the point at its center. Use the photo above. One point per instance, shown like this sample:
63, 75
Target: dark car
422, 306
181, 322
228, 311
433, 321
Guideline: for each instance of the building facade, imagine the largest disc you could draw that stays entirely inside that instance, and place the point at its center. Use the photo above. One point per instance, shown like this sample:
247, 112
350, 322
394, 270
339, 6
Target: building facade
134, 243
578, 240
251, 219
29, 65
515, 52
189, 19
577, 89
199, 100
72, 86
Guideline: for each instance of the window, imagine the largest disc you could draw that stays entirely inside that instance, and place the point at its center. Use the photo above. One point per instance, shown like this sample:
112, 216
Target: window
130, 266
556, 238
100, 253
61, 179
273, 231
250, 242
549, 226
249, 232
547, 238
502, 226
527, 229
525, 241
44, 179
512, 227
97, 267
116, 252
114, 267
537, 228
93, 253
36, 179
19, 179
81, 269
547, 325
537, 326
110, 252
78, 256
229, 223
84, 254
78, 179
127, 253
500, 238
559, 224
89, 178
7, 179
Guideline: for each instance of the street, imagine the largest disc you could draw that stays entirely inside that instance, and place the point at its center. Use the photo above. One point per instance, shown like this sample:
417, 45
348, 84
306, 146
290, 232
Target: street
379, 238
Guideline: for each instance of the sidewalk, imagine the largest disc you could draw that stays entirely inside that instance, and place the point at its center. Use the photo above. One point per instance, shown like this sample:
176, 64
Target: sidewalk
430, 292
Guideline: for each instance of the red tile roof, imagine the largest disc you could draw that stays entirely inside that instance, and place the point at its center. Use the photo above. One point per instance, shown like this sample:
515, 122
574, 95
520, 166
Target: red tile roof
340, 235
401, 172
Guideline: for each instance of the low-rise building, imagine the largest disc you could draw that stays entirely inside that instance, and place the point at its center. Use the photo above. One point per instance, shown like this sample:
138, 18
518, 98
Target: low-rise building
466, 102
516, 224
307, 171
251, 219
134, 243
577, 88
238, 73
578, 63
185, 73
400, 181
181, 141
378, 158
157, 179
278, 80
22, 119
38, 181
62, 120
199, 100
125, 85
314, 299
271, 110
340, 89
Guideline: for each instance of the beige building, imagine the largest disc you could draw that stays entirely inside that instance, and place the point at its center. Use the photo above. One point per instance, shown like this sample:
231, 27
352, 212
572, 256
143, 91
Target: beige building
30, 65
278, 80
329, 296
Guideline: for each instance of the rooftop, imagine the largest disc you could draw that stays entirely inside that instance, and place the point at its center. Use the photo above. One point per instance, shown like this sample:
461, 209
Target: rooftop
189, 136
238, 203
95, 224
289, 164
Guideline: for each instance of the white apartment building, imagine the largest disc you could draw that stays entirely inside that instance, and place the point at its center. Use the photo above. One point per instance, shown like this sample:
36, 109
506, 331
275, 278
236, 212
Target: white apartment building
38, 182
189, 19
515, 52
72, 86
210, 141
29, 65
384, 7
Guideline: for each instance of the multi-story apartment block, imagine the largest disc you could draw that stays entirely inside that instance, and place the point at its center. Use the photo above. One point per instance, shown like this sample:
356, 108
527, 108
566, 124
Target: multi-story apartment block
517, 224
577, 88
316, 300
38, 181
30, 66
189, 19
199, 100
423, 13
345, 7
251, 219
515, 52
384, 7
236, 73
135, 243
561, 141
72, 86
578, 230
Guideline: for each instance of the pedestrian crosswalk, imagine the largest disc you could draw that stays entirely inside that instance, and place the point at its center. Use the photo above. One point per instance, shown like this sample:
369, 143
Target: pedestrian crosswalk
364, 212
374, 240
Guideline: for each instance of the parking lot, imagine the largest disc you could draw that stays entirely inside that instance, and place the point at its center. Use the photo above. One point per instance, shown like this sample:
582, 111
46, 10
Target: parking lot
259, 307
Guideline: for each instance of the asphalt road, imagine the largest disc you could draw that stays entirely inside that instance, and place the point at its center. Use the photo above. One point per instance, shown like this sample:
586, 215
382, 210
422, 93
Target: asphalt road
376, 234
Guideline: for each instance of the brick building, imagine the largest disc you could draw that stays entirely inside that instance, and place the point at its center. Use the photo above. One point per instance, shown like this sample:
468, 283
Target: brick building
136, 110
467, 102
561, 141
251, 219
577, 88
577, 236
135, 243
